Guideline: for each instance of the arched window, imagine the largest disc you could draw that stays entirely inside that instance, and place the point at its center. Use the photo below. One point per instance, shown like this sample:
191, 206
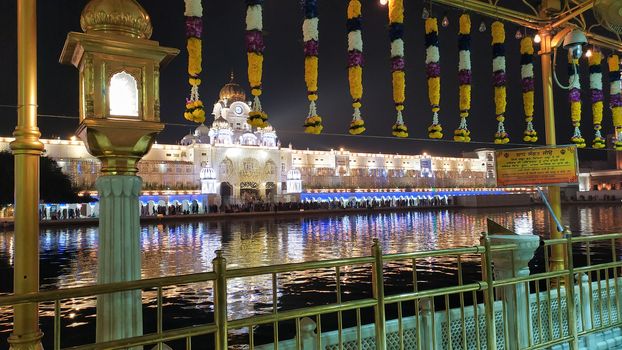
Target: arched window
123, 95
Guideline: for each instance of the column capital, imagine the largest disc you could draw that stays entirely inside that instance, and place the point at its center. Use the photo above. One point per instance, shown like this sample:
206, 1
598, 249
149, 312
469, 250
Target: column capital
510, 265
118, 185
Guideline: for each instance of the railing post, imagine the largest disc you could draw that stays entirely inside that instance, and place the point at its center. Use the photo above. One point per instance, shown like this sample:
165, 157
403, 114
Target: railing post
307, 333
511, 264
219, 264
429, 339
586, 310
378, 291
570, 301
489, 295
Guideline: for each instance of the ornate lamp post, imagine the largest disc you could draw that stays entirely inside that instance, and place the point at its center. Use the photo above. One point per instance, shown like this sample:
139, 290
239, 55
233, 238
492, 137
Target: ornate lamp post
119, 119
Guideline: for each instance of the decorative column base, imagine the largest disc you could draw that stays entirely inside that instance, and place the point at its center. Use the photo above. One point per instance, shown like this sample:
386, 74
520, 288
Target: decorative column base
119, 315
512, 265
26, 342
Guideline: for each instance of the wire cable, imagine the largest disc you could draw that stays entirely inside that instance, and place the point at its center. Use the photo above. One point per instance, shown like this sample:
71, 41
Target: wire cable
376, 137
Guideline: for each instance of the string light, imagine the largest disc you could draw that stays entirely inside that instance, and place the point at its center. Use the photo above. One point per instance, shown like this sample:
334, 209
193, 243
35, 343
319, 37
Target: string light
482, 27
588, 53
445, 22
537, 39
383, 2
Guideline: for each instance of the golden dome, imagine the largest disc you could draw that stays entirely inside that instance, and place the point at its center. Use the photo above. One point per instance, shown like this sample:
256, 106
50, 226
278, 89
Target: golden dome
125, 17
232, 92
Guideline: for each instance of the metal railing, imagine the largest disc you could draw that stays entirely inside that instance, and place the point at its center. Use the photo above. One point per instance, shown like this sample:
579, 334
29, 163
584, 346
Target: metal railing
464, 315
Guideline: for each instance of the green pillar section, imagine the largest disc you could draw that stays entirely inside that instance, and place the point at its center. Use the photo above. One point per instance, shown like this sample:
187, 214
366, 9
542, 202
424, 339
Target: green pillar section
119, 315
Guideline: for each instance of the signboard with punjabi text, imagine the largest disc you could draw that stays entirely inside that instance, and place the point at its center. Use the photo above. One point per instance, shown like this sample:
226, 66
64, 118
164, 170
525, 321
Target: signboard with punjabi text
550, 165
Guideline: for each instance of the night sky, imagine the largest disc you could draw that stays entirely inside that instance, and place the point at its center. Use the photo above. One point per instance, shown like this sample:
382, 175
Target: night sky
284, 95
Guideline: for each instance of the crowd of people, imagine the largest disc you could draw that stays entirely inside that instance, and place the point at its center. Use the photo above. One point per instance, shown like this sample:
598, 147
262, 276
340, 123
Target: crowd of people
262, 206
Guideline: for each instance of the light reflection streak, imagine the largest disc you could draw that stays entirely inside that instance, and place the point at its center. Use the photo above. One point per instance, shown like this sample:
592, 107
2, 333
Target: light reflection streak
69, 256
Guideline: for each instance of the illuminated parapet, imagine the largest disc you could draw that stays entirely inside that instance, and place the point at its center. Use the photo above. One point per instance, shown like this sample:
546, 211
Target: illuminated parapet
208, 181
294, 182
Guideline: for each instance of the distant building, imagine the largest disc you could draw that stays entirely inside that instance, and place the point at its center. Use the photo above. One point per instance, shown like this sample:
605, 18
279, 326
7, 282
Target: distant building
237, 162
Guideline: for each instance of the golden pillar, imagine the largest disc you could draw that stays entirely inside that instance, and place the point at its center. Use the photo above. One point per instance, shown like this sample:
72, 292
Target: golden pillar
27, 150
546, 48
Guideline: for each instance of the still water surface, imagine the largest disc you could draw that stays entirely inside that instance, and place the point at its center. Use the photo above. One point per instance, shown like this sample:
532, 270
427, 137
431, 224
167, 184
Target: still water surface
69, 258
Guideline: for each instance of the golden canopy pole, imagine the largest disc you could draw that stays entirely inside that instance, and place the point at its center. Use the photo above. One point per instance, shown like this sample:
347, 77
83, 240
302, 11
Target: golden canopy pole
557, 251
27, 150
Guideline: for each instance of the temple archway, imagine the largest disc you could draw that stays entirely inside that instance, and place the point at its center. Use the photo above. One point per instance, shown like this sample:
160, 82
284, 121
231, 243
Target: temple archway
249, 191
226, 191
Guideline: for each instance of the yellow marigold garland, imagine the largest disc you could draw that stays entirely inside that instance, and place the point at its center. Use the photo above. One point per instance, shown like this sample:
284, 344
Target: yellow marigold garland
396, 33
596, 90
255, 48
355, 65
499, 79
463, 134
528, 87
574, 96
433, 73
615, 98
194, 28
310, 33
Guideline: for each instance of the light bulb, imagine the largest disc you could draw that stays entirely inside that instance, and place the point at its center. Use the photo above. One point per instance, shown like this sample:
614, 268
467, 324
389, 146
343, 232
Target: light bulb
537, 39
588, 53
519, 34
482, 27
425, 14
383, 2
445, 22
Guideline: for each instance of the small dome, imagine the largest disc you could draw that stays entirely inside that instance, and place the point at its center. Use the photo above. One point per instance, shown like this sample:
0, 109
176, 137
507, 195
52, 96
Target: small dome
207, 173
188, 140
201, 130
232, 92
124, 17
221, 123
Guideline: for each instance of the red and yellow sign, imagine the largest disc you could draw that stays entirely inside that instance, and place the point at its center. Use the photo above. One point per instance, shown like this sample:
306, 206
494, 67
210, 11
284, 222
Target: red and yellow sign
553, 165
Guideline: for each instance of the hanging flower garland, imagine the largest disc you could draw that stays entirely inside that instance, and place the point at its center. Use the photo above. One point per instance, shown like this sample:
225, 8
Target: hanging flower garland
462, 134
433, 73
254, 52
499, 79
355, 65
396, 33
596, 89
194, 28
574, 96
310, 34
615, 98
528, 87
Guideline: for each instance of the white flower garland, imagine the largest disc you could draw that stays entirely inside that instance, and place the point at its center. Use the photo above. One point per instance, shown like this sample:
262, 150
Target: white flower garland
397, 48
193, 8
464, 60
355, 41
310, 29
615, 87
254, 18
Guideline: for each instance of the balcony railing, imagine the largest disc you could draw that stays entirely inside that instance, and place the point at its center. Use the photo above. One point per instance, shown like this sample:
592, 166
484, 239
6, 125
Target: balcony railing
574, 305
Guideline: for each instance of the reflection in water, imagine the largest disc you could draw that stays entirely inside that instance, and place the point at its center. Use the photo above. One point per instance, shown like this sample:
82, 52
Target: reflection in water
69, 256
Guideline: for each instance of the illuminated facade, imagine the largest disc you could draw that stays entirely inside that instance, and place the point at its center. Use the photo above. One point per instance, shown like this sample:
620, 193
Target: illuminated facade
238, 162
